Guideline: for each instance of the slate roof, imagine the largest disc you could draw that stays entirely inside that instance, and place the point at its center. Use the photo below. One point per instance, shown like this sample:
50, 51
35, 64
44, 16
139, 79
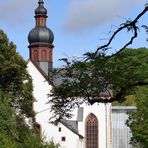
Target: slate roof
72, 125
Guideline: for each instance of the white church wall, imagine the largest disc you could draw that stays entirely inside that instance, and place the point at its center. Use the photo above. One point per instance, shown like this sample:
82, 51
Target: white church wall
100, 112
52, 132
109, 125
71, 139
49, 131
41, 89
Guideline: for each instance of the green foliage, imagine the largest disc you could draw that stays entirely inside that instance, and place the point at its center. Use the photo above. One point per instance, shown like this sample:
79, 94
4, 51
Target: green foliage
14, 79
138, 121
6, 142
15, 133
7, 124
130, 67
129, 101
16, 101
99, 78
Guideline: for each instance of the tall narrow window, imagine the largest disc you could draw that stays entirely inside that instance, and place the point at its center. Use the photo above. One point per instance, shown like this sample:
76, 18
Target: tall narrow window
60, 129
91, 131
35, 55
44, 55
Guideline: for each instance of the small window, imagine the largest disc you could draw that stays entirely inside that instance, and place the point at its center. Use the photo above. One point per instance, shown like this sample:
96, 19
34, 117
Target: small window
44, 54
63, 139
35, 55
60, 129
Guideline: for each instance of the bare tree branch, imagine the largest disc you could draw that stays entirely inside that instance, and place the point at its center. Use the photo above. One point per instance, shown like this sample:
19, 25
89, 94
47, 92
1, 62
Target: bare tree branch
130, 25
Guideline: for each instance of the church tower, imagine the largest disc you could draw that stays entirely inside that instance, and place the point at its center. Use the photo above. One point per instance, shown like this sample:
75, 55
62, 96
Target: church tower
40, 40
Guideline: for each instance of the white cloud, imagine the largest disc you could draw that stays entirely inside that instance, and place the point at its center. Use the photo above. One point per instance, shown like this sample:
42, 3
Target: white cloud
85, 14
14, 12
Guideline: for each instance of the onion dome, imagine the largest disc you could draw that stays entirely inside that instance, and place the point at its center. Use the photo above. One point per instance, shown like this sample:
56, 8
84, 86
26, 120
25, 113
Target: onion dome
40, 11
40, 35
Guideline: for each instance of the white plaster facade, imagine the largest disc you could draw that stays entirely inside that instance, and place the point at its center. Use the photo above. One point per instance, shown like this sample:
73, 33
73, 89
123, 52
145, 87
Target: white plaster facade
63, 134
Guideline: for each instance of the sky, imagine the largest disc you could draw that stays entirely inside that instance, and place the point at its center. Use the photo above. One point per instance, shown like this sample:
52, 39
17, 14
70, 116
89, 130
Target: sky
79, 26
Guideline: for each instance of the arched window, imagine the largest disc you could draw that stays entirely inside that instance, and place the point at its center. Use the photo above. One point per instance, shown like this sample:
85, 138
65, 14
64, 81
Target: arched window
35, 55
38, 128
44, 54
91, 131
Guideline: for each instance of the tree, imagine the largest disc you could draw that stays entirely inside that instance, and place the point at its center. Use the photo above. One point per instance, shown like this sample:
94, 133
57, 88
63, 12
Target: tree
138, 120
15, 133
129, 101
14, 79
7, 124
99, 77
16, 101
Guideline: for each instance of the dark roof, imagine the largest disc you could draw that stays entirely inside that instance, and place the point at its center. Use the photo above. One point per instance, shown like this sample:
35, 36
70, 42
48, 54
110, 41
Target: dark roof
41, 35
72, 125
58, 80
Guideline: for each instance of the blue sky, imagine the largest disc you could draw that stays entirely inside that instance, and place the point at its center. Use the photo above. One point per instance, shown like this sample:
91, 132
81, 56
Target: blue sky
78, 25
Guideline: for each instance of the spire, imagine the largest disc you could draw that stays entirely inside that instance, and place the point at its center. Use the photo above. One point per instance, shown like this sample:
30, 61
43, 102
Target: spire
41, 33
40, 2
40, 40
41, 11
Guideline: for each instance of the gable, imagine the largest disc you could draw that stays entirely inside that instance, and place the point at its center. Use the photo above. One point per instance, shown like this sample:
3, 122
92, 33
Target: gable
34, 70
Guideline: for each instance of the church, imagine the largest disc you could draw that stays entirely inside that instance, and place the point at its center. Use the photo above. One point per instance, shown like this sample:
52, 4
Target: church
91, 126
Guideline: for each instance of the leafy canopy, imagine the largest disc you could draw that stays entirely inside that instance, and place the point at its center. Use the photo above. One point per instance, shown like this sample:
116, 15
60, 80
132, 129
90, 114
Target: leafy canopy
14, 78
138, 121
99, 79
